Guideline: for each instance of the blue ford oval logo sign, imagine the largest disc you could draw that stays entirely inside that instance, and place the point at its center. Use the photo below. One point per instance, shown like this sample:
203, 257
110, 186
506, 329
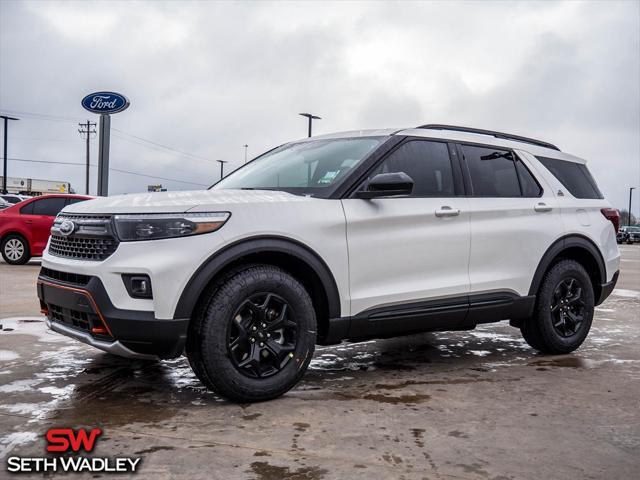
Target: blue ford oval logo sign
105, 102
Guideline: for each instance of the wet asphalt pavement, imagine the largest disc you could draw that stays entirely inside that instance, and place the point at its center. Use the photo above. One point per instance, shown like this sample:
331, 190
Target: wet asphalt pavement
470, 405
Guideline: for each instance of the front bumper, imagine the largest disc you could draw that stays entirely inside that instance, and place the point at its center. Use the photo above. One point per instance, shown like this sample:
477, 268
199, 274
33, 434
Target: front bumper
83, 310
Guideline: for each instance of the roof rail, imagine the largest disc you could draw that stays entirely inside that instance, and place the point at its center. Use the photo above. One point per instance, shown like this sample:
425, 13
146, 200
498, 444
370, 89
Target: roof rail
505, 136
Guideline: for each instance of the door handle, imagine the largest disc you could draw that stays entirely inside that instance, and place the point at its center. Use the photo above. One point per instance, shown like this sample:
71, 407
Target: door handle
447, 211
28, 221
542, 207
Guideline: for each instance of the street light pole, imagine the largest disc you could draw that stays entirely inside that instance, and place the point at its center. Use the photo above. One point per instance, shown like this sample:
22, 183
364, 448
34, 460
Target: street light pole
245, 152
311, 118
629, 216
222, 162
4, 172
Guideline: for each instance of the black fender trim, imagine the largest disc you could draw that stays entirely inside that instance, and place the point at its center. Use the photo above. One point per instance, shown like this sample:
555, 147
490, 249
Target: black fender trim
562, 244
222, 258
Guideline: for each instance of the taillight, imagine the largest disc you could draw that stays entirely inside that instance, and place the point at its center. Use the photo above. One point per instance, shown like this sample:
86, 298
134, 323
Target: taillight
613, 216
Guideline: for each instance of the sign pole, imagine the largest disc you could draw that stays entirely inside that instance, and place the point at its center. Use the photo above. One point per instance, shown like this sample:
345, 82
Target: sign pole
103, 155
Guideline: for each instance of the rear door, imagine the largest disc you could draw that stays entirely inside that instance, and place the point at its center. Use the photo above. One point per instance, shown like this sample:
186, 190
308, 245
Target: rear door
408, 256
514, 219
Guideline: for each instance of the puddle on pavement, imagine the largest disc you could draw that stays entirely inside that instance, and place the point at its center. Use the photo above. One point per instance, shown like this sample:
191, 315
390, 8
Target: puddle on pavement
266, 471
566, 362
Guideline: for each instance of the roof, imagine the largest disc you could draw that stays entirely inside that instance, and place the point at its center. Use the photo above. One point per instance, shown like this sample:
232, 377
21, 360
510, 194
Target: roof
458, 136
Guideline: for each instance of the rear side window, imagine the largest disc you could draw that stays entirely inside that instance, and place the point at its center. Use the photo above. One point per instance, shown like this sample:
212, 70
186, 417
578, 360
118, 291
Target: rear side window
493, 172
49, 206
427, 163
574, 176
529, 185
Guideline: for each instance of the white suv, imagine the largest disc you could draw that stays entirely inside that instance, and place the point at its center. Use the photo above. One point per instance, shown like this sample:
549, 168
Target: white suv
350, 236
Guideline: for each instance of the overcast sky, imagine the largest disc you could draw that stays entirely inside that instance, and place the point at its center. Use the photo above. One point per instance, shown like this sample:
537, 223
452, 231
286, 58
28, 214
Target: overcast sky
205, 78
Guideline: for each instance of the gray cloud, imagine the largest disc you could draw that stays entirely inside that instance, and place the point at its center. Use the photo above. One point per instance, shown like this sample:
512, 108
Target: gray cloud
208, 77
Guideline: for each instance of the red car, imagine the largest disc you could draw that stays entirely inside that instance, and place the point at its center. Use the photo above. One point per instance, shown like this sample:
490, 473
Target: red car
25, 226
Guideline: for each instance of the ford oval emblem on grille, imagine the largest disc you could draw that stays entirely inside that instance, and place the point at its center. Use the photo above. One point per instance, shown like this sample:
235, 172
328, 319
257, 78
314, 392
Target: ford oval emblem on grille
67, 227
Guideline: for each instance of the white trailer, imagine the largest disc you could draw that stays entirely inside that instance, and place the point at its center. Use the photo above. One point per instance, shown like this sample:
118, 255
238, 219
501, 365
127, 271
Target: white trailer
34, 186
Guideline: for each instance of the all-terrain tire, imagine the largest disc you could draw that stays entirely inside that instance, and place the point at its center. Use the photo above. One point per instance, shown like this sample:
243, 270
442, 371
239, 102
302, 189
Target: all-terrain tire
208, 344
545, 330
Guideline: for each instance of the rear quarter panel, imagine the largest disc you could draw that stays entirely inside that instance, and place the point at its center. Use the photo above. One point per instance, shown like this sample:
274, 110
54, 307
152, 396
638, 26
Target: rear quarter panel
583, 217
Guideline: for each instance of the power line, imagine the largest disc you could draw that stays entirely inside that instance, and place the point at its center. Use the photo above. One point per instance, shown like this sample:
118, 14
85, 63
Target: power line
159, 178
160, 149
33, 139
30, 160
42, 116
57, 118
175, 150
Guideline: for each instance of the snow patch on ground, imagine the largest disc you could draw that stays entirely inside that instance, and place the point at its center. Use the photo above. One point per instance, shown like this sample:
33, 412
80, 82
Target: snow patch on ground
621, 292
605, 310
34, 326
8, 355
480, 353
20, 385
12, 440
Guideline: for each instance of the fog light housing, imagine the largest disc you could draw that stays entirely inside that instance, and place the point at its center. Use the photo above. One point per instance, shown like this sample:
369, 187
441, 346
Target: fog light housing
138, 286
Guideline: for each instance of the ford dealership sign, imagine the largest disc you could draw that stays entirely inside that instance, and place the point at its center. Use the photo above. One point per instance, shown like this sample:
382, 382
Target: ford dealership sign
105, 102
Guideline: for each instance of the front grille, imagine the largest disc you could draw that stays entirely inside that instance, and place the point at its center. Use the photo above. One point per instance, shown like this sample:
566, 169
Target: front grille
91, 239
74, 278
82, 248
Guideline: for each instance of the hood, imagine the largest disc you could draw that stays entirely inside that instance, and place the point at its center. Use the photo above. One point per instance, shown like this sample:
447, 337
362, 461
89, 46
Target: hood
180, 202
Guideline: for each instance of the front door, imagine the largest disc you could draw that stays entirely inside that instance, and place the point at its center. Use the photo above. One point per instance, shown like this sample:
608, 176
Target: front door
409, 256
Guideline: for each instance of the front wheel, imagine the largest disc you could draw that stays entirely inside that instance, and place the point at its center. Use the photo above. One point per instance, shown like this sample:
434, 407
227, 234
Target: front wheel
564, 310
256, 336
15, 250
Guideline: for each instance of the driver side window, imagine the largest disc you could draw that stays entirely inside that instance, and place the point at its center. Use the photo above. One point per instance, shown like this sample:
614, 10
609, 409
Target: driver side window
427, 163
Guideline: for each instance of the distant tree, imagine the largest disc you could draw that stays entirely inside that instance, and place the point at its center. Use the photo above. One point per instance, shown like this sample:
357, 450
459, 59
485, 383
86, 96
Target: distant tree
624, 218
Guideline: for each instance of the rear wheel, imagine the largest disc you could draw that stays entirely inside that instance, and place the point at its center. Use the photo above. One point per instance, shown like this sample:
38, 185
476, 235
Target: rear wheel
564, 310
15, 249
255, 338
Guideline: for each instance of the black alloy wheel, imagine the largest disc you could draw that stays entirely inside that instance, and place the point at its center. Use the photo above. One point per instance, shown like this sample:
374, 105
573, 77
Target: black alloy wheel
263, 335
567, 307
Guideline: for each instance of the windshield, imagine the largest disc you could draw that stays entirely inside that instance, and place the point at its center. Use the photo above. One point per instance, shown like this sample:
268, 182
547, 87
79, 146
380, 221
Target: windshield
312, 168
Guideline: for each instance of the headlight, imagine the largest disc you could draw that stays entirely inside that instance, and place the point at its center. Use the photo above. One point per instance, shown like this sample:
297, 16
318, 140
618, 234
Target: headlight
152, 226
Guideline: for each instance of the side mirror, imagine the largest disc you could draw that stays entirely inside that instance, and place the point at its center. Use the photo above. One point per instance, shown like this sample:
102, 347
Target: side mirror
387, 185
